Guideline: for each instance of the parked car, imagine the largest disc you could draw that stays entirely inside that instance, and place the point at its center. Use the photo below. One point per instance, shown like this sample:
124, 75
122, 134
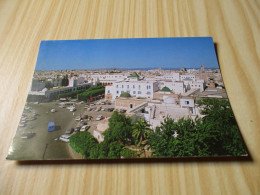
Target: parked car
82, 123
110, 109
100, 117
84, 128
84, 116
27, 135
77, 129
69, 131
51, 126
53, 110
77, 118
64, 139
65, 136
73, 109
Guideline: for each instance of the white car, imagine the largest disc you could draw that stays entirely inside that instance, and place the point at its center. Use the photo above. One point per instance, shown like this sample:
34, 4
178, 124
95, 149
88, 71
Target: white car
73, 109
84, 128
21, 125
99, 117
64, 139
77, 118
53, 110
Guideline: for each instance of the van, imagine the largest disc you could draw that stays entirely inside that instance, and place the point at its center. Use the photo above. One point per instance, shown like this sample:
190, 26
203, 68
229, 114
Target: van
51, 126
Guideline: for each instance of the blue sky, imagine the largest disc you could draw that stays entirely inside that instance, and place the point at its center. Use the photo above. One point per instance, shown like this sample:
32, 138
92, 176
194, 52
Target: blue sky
127, 53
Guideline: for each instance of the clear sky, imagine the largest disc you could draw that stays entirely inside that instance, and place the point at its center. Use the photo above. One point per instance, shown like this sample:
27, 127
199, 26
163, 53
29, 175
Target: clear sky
127, 53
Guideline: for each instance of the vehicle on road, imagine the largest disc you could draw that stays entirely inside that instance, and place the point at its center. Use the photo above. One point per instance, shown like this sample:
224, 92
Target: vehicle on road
77, 129
77, 118
64, 139
100, 117
53, 110
110, 109
51, 126
84, 128
69, 131
27, 135
72, 109
65, 136
82, 123
21, 125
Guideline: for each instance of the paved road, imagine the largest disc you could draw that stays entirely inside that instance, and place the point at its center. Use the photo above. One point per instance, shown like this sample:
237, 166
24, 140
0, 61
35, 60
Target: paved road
43, 145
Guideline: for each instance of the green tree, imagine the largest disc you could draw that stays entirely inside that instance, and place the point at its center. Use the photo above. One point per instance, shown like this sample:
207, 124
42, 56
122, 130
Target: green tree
48, 84
115, 149
83, 143
126, 153
120, 129
219, 118
141, 130
65, 81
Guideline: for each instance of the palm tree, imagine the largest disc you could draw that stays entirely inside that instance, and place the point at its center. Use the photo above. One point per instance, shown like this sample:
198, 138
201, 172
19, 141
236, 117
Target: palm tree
141, 130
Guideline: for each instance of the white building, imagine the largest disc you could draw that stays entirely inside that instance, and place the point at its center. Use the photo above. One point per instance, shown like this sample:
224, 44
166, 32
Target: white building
135, 88
107, 78
175, 76
177, 87
187, 77
156, 112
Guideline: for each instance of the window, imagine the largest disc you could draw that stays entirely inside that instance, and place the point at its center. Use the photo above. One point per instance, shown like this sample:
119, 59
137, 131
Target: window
187, 102
127, 86
134, 86
116, 86
134, 92
117, 92
108, 91
128, 92
139, 87
139, 92
122, 91
148, 93
122, 86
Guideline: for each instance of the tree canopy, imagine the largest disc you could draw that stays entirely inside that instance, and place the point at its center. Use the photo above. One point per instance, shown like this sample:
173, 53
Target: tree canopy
216, 134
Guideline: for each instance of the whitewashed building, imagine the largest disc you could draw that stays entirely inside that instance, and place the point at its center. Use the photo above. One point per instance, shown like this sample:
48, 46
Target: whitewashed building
107, 79
177, 87
187, 77
175, 76
137, 88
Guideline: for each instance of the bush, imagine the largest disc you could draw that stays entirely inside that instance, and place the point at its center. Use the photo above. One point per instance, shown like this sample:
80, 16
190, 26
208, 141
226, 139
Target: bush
83, 143
91, 92
70, 94
126, 153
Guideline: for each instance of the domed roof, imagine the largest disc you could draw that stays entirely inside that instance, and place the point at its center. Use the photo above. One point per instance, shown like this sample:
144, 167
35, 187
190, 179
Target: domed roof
166, 89
125, 95
134, 74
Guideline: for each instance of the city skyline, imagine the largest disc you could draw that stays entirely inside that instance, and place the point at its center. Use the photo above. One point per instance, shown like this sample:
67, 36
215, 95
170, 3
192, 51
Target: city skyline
127, 54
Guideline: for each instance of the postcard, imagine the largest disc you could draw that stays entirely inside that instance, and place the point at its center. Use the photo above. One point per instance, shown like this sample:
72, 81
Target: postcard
127, 98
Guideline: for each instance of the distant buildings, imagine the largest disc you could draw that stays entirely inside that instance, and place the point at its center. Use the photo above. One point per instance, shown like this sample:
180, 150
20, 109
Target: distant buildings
155, 94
